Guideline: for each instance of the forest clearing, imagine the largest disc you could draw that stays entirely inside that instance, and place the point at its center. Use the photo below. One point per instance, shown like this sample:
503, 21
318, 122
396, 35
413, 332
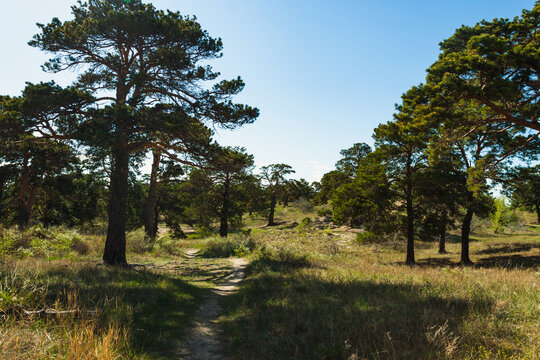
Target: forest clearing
145, 214
309, 293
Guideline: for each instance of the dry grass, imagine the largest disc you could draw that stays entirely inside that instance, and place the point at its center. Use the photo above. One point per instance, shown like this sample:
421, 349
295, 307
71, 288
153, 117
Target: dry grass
64, 338
127, 313
352, 301
310, 294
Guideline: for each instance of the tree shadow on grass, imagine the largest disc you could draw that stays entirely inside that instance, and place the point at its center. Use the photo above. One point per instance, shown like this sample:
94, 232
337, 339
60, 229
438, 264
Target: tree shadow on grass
516, 261
156, 307
506, 248
283, 313
438, 262
510, 262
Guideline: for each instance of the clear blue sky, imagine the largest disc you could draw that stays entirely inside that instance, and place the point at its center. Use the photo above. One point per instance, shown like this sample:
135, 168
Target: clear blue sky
324, 73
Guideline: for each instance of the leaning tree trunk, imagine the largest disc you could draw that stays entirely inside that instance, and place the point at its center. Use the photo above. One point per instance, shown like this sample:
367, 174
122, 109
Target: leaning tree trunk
466, 230
410, 218
224, 219
115, 245
150, 218
273, 203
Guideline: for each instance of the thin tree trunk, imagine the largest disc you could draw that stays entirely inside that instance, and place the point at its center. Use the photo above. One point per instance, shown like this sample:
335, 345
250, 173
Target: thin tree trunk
115, 245
23, 216
442, 239
150, 226
273, 203
537, 213
410, 218
156, 217
224, 219
466, 231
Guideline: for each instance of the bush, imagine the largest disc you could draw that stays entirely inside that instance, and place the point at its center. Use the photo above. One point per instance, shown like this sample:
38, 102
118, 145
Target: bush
201, 233
8, 242
235, 245
303, 204
305, 225
138, 242
367, 237
324, 212
284, 256
167, 244
502, 216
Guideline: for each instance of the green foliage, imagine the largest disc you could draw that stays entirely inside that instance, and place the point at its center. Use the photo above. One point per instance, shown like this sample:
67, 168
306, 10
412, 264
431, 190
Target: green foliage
367, 200
39, 241
234, 245
494, 63
352, 158
305, 225
330, 182
138, 242
18, 291
8, 241
324, 212
367, 237
524, 185
502, 217
281, 257
161, 99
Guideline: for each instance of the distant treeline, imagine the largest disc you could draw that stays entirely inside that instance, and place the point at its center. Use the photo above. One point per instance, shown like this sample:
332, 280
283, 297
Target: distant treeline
144, 87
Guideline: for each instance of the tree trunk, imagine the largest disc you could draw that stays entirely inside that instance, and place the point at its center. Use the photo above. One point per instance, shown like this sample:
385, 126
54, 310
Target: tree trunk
410, 218
150, 219
115, 245
538, 213
466, 230
442, 239
273, 203
23, 215
224, 224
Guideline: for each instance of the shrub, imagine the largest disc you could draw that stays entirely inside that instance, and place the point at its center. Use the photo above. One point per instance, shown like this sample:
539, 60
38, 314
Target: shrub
305, 225
325, 212
281, 256
303, 204
367, 237
202, 233
235, 245
8, 241
138, 242
80, 247
502, 216
167, 244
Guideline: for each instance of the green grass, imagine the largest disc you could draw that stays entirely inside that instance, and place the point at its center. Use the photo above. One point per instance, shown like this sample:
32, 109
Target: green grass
310, 293
138, 312
350, 301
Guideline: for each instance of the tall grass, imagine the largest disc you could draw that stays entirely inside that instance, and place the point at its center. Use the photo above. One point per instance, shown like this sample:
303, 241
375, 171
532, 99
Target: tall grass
111, 313
361, 303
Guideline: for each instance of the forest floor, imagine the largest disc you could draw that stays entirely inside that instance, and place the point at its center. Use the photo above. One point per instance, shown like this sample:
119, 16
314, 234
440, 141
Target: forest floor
309, 292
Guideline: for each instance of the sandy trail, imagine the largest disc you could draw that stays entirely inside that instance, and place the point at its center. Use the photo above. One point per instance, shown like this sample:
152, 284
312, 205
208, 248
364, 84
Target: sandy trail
202, 342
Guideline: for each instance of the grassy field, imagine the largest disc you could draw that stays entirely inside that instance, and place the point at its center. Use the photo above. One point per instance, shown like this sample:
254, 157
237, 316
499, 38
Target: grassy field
321, 295
140, 312
312, 292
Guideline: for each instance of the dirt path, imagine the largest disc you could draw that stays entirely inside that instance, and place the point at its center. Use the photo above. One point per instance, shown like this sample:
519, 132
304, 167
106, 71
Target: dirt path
202, 343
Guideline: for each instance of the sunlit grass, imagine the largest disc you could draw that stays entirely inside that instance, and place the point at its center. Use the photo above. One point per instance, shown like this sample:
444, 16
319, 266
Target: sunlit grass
352, 301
